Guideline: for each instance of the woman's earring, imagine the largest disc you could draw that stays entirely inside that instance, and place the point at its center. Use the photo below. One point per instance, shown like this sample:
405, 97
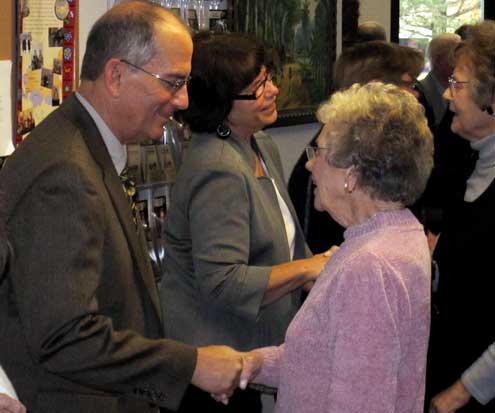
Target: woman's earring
346, 187
223, 131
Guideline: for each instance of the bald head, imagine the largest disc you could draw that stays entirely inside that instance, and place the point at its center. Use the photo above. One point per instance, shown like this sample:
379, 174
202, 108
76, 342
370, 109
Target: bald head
370, 30
439, 51
128, 31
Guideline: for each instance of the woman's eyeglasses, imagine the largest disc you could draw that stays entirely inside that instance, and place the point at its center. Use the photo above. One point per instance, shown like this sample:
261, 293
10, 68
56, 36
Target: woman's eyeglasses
455, 84
270, 77
313, 152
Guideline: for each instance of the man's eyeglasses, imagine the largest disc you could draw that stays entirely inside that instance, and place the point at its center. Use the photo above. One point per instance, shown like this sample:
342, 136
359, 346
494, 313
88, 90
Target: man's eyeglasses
173, 87
313, 152
270, 77
456, 84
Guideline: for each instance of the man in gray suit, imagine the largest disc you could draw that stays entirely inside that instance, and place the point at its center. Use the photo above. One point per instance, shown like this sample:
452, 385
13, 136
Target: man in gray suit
80, 322
437, 80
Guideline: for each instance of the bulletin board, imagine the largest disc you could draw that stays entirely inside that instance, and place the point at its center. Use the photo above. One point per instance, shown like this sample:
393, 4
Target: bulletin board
47, 59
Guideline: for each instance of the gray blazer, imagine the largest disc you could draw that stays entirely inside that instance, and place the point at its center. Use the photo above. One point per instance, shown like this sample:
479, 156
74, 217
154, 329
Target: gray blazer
433, 92
79, 306
223, 234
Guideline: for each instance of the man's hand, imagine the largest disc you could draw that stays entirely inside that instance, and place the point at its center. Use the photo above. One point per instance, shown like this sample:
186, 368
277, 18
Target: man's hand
10, 405
218, 370
450, 399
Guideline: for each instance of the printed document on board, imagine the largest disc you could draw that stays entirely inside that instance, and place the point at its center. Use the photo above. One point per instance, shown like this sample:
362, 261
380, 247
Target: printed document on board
6, 141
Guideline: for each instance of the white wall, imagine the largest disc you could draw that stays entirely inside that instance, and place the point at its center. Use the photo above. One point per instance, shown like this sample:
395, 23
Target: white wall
88, 14
291, 140
377, 10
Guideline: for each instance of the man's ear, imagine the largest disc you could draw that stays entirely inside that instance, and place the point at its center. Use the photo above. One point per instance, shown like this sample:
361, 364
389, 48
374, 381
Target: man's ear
113, 76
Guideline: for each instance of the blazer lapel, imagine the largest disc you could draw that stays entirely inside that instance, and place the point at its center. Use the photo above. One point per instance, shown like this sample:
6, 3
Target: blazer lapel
135, 237
269, 158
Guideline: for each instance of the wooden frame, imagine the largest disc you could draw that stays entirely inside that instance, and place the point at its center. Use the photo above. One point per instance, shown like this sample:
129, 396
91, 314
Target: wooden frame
306, 47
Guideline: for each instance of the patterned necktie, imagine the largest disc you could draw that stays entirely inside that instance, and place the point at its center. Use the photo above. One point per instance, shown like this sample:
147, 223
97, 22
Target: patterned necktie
129, 187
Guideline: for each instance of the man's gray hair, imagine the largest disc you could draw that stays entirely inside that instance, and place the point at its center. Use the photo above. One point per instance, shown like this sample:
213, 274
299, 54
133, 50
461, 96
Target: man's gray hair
127, 31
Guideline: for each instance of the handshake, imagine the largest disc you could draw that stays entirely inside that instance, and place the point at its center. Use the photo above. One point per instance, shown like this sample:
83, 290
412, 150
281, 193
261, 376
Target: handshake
220, 370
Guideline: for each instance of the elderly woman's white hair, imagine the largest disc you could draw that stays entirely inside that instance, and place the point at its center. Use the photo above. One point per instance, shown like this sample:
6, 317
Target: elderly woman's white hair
380, 130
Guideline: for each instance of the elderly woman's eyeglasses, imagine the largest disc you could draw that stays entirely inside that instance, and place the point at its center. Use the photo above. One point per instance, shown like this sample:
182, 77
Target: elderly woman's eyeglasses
270, 77
313, 152
455, 84
172, 87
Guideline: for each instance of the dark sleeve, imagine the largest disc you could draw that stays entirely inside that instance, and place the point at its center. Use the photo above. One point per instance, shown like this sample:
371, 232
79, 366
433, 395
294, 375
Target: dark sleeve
60, 235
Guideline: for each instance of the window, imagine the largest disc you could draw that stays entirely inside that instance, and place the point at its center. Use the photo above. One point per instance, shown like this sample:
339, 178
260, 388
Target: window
415, 22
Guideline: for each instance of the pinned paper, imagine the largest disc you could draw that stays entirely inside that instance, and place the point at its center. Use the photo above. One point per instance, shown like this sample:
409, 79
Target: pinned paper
6, 138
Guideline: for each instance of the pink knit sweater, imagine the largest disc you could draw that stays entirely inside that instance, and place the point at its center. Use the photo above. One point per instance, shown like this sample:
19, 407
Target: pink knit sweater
358, 344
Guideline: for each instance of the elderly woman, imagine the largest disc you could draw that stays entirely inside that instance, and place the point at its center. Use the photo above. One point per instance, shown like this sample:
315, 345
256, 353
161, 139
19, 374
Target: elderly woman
236, 258
462, 323
359, 342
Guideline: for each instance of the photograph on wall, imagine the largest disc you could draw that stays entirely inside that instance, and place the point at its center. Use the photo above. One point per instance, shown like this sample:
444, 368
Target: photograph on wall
25, 122
303, 32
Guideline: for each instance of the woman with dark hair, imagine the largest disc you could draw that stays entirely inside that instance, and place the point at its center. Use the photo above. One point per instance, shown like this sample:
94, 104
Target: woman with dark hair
236, 258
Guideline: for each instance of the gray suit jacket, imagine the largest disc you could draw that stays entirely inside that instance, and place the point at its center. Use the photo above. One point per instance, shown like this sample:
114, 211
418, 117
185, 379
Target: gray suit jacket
223, 234
433, 92
80, 320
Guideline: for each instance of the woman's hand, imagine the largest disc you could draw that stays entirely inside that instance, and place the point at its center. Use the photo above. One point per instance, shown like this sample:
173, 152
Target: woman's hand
10, 405
318, 262
251, 365
288, 276
450, 399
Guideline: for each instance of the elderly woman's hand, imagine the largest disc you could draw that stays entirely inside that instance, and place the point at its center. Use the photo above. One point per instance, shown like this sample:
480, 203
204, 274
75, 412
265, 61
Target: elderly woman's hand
450, 399
251, 365
10, 405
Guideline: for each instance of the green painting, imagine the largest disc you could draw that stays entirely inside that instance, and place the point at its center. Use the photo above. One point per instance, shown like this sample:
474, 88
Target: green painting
304, 34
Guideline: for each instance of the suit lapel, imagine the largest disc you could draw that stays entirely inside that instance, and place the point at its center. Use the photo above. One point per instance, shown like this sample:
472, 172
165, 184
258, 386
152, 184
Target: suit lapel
74, 110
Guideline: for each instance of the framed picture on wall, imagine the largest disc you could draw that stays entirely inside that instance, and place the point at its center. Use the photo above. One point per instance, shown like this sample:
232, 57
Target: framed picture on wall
304, 34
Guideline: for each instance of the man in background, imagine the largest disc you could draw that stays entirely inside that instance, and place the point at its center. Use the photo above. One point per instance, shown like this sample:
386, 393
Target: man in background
370, 30
437, 80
